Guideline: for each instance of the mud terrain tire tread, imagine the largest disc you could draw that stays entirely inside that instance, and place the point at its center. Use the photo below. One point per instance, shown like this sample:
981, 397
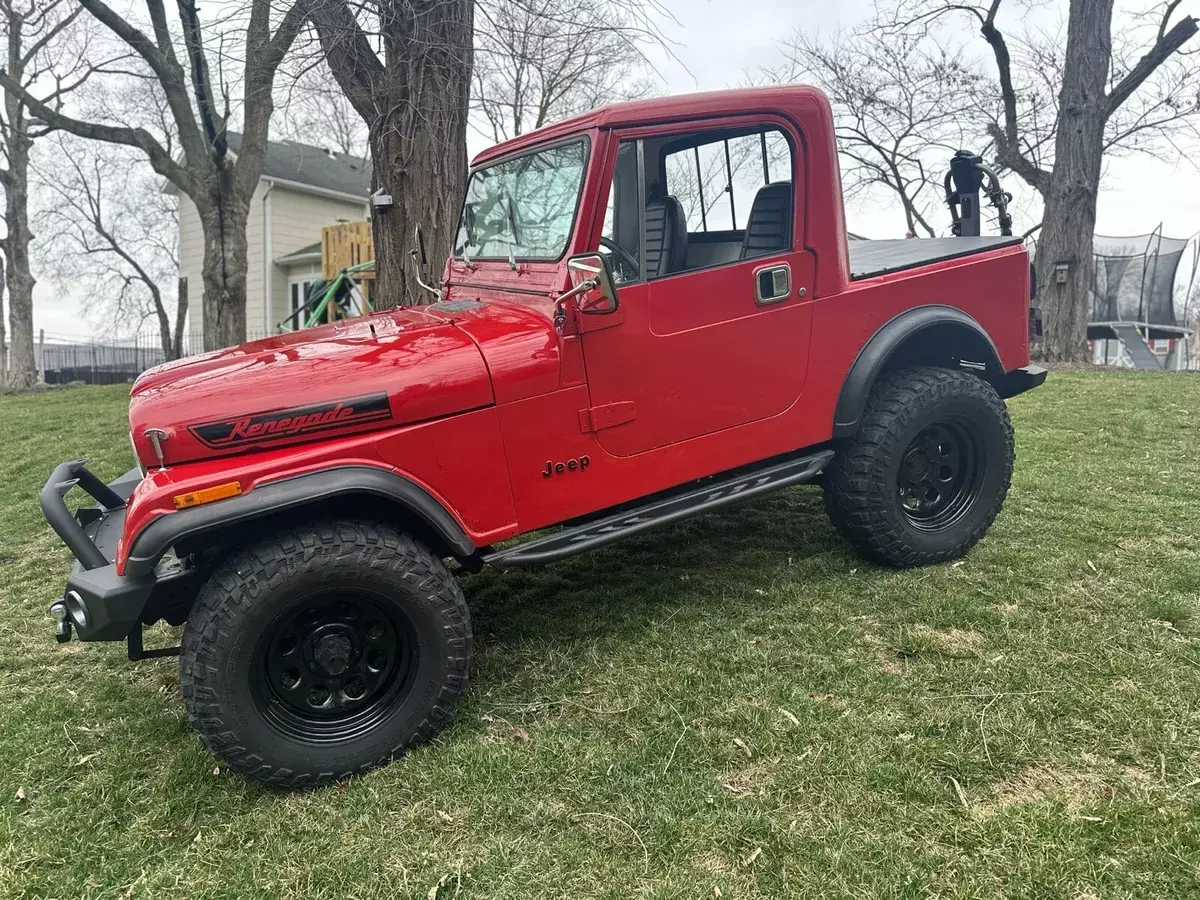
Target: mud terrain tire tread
214, 637
856, 486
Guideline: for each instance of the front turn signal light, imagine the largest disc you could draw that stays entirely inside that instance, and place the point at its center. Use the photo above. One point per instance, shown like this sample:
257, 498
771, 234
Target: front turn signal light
207, 495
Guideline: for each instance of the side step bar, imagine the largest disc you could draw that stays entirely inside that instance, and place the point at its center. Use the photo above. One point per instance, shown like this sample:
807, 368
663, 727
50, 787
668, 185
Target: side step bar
702, 499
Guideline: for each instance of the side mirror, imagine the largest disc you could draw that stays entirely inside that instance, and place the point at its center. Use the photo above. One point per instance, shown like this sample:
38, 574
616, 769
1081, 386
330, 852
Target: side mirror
419, 246
592, 283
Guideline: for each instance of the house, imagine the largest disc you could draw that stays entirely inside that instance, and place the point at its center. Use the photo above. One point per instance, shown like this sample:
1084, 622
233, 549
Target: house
302, 189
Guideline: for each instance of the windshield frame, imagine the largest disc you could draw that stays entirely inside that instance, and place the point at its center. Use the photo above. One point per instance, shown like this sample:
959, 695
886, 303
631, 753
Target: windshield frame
586, 141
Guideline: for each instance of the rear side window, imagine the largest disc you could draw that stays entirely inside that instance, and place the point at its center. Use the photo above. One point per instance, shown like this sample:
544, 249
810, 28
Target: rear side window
717, 180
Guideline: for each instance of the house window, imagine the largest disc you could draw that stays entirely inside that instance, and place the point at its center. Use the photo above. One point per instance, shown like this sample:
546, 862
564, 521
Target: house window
297, 293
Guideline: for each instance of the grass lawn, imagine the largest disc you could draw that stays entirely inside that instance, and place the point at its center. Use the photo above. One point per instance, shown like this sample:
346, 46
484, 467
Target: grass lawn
736, 706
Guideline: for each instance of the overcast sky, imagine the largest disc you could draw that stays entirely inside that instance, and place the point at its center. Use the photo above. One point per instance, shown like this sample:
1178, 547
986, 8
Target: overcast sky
720, 40
717, 42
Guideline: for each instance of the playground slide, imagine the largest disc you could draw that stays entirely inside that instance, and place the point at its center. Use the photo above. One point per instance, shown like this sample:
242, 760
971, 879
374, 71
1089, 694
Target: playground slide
1138, 350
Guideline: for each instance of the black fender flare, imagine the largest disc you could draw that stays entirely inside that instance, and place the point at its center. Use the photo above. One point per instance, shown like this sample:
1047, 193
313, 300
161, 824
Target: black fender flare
294, 493
875, 354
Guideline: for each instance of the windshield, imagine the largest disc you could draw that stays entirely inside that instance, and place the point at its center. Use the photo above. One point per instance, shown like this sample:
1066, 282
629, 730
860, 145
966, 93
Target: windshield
523, 208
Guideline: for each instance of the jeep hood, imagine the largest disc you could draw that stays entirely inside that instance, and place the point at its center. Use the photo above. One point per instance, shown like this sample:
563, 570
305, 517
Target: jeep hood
388, 369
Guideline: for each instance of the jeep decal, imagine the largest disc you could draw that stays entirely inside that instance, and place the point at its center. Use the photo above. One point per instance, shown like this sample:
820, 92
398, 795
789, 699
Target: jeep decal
284, 423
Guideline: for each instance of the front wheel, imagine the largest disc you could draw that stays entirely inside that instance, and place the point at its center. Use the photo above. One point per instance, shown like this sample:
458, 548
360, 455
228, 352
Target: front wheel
927, 473
322, 651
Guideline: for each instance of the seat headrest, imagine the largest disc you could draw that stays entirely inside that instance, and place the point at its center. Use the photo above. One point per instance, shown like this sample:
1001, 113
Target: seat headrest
769, 227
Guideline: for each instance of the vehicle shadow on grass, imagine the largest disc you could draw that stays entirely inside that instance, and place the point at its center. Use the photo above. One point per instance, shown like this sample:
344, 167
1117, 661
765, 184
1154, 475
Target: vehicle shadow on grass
630, 585
617, 594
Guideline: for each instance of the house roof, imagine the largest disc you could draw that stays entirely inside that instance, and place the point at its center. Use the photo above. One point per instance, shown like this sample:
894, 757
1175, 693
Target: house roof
307, 165
305, 254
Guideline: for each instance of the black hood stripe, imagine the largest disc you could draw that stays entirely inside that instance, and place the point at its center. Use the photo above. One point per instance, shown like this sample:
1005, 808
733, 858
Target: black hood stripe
278, 424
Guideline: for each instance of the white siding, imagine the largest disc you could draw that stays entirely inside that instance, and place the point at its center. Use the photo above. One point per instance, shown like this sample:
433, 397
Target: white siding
254, 264
296, 220
191, 260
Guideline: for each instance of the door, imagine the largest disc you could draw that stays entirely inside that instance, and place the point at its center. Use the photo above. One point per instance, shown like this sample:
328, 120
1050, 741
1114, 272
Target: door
714, 286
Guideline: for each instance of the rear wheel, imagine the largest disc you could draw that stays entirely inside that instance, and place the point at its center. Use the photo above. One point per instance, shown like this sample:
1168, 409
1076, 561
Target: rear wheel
927, 473
323, 651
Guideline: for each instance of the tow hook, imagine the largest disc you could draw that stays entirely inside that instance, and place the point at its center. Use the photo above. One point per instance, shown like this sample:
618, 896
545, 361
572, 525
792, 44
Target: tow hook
62, 621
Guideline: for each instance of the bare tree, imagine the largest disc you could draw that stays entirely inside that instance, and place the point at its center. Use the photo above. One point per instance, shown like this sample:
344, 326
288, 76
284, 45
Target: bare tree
218, 184
41, 56
537, 61
898, 104
312, 109
1057, 114
113, 238
406, 66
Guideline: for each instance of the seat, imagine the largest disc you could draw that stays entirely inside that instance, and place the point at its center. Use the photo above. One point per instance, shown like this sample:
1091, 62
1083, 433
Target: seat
666, 237
769, 228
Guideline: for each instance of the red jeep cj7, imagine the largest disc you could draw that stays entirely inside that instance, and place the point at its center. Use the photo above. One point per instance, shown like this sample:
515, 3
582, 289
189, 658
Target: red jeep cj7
652, 311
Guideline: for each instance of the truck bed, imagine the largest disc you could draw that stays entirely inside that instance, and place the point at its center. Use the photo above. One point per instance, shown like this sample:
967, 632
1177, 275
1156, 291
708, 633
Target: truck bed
871, 258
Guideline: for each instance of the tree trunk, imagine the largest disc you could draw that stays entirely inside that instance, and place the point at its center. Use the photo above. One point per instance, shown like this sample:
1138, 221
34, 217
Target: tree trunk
22, 367
1069, 220
181, 308
1066, 236
419, 147
3, 334
164, 325
223, 220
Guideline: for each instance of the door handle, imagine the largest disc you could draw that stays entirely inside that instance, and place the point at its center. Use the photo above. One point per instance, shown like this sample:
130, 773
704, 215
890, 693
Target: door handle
772, 284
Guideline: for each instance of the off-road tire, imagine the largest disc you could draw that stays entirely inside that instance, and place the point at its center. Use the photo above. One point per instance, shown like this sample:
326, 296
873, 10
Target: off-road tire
861, 485
254, 587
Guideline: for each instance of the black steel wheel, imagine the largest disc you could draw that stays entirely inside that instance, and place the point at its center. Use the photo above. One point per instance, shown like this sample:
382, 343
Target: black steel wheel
927, 473
324, 650
940, 475
330, 666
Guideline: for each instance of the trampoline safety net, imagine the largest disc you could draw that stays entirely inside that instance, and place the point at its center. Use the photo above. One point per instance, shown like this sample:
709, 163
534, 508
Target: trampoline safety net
1134, 278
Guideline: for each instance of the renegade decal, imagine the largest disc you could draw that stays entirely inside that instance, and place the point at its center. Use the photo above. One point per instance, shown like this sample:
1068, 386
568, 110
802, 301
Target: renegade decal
286, 423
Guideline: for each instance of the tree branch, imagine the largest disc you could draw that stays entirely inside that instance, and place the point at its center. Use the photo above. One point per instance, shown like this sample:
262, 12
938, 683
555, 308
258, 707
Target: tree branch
264, 53
1168, 42
210, 117
50, 34
1007, 138
162, 33
160, 159
349, 54
162, 62
134, 37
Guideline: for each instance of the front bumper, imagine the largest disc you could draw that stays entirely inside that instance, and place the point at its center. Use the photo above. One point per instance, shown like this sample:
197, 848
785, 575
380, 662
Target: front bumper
1018, 381
98, 604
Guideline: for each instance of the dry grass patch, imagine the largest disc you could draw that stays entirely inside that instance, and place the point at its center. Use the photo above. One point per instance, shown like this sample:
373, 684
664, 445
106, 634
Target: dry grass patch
891, 660
921, 640
957, 642
747, 782
712, 863
1034, 784
1073, 788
